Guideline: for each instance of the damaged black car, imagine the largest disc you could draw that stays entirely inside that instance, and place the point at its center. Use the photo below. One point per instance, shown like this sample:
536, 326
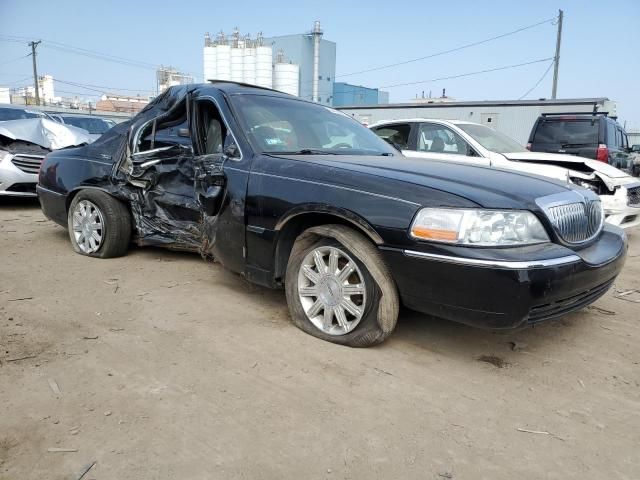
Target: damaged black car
294, 194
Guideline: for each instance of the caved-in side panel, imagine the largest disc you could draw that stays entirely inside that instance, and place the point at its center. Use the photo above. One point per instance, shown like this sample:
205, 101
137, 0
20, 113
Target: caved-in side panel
163, 203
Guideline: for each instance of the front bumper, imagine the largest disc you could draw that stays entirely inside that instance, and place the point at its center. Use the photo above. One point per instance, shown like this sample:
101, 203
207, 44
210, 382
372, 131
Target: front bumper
617, 210
506, 288
15, 182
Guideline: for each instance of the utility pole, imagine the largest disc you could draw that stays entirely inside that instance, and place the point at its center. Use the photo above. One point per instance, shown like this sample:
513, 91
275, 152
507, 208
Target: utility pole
556, 59
33, 46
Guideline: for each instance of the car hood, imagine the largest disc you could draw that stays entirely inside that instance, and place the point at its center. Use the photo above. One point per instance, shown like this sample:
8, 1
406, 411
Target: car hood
44, 132
413, 179
574, 166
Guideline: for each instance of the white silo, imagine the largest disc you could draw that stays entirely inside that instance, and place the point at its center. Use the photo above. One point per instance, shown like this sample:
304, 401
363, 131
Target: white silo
264, 66
249, 63
286, 78
237, 64
223, 63
210, 63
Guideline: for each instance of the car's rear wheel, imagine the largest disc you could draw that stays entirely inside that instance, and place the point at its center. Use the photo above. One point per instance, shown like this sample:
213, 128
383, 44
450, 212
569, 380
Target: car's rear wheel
99, 224
339, 288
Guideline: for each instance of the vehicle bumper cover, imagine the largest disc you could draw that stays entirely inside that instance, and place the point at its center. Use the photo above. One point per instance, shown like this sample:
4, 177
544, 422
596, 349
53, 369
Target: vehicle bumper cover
618, 212
53, 204
11, 177
495, 292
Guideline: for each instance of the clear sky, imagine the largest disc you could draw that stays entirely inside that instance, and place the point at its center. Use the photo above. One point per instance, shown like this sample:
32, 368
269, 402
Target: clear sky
600, 47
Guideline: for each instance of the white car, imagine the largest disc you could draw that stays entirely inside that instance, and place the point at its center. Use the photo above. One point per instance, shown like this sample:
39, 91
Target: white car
467, 142
24, 142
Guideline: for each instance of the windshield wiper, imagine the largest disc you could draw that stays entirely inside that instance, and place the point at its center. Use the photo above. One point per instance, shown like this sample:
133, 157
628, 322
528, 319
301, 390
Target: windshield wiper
566, 145
304, 151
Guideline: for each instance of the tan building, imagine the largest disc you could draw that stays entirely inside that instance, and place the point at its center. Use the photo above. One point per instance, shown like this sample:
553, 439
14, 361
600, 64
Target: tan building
120, 103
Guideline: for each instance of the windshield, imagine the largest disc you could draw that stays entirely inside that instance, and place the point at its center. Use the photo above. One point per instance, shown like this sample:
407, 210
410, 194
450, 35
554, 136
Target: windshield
282, 125
91, 125
567, 132
490, 139
19, 114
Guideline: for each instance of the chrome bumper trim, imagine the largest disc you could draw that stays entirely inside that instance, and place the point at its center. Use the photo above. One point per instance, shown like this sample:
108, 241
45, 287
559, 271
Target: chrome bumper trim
515, 265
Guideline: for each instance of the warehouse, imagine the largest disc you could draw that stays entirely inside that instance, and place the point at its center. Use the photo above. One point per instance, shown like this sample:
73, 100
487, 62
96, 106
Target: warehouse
514, 118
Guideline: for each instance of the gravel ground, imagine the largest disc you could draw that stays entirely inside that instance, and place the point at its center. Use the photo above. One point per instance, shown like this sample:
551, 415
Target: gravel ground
160, 365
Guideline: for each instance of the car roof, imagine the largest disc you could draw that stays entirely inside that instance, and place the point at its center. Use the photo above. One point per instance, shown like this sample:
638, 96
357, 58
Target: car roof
18, 107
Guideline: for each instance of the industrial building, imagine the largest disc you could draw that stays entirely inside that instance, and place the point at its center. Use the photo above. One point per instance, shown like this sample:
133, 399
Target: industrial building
316, 58
238, 58
514, 118
26, 95
345, 94
168, 77
303, 65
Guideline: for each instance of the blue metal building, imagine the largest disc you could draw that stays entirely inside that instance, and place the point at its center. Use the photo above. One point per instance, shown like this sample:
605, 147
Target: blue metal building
298, 49
345, 94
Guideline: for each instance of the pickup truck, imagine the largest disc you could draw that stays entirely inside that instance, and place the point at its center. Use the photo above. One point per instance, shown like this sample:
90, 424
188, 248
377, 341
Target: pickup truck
297, 195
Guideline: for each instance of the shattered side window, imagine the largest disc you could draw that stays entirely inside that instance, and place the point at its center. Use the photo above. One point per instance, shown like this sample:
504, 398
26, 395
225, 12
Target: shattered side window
166, 137
167, 131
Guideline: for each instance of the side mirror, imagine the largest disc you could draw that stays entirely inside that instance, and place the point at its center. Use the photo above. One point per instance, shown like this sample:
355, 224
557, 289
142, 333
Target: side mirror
184, 132
231, 151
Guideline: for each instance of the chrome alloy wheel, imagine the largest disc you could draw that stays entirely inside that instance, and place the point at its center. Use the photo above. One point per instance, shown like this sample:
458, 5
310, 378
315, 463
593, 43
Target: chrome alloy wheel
88, 226
332, 291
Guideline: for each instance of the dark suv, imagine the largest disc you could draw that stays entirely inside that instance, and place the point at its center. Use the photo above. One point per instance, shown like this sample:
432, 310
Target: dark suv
591, 135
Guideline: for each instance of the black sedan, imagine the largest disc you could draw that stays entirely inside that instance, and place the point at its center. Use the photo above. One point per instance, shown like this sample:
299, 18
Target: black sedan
294, 194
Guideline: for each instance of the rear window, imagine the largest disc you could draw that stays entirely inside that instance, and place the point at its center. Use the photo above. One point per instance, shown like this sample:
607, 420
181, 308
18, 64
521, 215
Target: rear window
567, 132
91, 125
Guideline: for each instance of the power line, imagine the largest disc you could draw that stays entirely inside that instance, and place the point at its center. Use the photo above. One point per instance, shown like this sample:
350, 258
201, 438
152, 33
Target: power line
451, 50
101, 88
539, 80
15, 59
478, 72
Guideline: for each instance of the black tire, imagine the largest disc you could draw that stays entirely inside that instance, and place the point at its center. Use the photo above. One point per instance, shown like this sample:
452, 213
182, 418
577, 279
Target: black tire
381, 309
116, 226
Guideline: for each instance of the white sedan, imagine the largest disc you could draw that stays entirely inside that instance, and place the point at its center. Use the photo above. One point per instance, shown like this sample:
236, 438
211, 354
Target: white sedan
467, 142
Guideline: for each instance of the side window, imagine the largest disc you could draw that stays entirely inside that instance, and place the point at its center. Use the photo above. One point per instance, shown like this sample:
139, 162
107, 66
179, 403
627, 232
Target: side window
167, 131
435, 138
398, 134
211, 132
621, 139
611, 134
625, 139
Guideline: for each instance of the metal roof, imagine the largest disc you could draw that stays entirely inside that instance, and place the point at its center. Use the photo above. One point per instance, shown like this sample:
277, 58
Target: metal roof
483, 103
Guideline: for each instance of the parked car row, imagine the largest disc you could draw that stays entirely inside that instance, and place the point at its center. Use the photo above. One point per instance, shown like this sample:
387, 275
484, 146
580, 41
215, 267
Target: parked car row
27, 135
467, 142
296, 195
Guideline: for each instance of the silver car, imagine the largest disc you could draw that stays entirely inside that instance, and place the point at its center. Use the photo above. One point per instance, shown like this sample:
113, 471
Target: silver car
26, 136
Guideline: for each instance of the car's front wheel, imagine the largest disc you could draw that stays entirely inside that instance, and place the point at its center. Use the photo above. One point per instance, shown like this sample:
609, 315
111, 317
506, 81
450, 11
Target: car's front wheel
339, 289
99, 224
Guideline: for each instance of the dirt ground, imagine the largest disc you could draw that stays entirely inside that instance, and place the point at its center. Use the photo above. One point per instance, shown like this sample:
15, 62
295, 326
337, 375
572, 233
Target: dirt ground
160, 365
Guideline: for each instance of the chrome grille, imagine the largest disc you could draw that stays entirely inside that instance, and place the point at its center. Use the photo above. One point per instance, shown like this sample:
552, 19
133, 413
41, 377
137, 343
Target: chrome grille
28, 163
577, 222
633, 197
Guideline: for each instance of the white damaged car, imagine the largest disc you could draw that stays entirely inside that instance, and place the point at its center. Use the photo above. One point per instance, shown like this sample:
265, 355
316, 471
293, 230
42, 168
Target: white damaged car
24, 142
468, 142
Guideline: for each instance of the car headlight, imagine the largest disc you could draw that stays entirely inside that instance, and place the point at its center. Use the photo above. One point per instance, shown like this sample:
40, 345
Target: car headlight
478, 227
